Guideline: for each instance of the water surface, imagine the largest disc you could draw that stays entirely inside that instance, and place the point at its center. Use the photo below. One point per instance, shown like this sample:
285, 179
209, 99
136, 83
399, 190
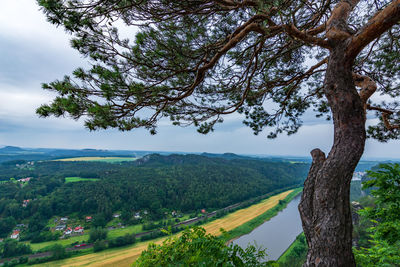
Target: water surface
276, 234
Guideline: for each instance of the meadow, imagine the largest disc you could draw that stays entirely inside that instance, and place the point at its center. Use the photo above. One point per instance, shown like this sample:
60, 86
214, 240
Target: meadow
100, 159
79, 179
127, 255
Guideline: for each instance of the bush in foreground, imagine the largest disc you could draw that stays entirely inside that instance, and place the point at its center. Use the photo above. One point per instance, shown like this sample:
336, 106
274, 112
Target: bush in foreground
196, 248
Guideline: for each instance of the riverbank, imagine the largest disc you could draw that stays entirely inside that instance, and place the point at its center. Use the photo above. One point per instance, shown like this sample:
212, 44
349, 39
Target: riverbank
126, 255
249, 226
295, 255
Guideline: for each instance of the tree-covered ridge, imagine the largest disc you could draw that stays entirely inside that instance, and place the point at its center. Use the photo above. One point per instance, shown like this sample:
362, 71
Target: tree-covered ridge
185, 183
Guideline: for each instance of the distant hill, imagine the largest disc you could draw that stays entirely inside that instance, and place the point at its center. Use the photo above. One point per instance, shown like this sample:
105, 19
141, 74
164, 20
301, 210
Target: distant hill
11, 149
225, 156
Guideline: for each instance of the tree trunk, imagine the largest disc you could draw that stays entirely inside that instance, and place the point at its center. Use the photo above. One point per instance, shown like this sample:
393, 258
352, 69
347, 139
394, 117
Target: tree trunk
325, 204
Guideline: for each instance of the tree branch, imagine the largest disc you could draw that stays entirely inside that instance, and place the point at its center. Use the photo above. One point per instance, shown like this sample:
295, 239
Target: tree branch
296, 33
376, 26
367, 85
337, 29
385, 117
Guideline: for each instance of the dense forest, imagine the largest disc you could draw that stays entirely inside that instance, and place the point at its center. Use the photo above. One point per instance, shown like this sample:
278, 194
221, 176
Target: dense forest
154, 183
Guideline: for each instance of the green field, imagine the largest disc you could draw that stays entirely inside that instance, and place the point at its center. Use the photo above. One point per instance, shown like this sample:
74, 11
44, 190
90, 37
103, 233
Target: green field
63, 242
79, 179
100, 159
125, 256
111, 234
296, 254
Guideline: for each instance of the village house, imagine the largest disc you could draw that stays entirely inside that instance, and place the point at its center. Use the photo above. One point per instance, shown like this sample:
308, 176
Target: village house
27, 179
88, 218
78, 229
137, 215
68, 231
116, 215
60, 227
15, 234
25, 202
64, 219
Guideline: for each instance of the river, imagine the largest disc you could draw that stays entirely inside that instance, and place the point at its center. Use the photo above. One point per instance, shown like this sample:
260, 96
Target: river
276, 234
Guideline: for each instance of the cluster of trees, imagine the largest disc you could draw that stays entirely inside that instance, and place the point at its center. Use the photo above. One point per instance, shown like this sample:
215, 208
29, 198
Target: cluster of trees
377, 233
11, 248
157, 184
380, 243
196, 248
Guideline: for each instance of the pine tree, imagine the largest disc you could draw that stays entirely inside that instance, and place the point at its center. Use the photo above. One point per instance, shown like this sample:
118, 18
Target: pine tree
195, 61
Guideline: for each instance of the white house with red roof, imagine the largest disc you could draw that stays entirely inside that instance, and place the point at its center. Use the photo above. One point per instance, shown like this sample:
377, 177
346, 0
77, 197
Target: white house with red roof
68, 231
27, 179
15, 234
78, 229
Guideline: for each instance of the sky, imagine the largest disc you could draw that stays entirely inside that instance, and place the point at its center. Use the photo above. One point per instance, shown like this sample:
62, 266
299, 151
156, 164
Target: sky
32, 51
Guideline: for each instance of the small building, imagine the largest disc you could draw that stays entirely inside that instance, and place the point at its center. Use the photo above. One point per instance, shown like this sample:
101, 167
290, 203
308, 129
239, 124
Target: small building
1, 240
174, 213
64, 219
116, 215
25, 202
60, 227
27, 179
21, 225
68, 231
15, 234
78, 229
203, 211
137, 215
88, 218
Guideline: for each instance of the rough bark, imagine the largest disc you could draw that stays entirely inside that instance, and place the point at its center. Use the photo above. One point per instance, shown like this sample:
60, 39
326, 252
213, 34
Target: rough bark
325, 205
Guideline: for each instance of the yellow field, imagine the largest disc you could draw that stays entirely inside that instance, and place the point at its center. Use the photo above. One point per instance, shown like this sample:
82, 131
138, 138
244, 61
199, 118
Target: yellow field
97, 159
124, 257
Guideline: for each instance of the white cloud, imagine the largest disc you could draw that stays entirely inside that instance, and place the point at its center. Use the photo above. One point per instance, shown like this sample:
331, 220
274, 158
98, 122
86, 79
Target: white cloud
23, 20
34, 51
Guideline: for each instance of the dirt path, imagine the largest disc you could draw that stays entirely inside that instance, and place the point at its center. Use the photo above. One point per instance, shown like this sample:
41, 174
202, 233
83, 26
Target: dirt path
124, 257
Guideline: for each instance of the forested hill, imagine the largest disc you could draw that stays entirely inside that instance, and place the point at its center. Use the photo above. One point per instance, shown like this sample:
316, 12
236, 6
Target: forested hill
156, 183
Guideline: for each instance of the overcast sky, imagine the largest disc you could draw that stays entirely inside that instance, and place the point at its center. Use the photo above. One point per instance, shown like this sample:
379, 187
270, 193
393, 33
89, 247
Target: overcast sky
33, 51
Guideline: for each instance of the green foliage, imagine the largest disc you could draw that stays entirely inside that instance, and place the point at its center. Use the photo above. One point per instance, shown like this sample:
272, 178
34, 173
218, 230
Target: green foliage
384, 241
58, 252
97, 233
99, 245
157, 184
296, 254
196, 248
380, 253
6, 225
79, 179
11, 248
120, 241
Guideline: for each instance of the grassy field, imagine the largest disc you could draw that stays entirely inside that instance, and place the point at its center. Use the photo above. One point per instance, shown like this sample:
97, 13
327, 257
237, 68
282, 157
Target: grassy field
66, 242
296, 254
63, 242
79, 179
100, 159
125, 256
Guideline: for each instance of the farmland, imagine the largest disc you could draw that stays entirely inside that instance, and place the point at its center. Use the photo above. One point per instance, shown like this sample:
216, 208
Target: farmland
125, 256
79, 179
100, 159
